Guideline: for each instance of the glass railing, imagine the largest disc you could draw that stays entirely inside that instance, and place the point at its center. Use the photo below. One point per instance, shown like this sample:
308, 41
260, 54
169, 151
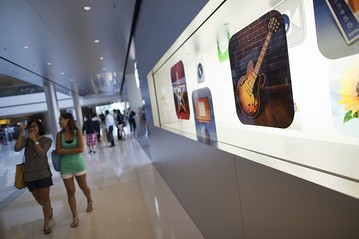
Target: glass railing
20, 90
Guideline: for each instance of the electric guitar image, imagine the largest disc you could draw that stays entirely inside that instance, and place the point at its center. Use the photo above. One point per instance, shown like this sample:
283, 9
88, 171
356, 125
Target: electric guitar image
248, 86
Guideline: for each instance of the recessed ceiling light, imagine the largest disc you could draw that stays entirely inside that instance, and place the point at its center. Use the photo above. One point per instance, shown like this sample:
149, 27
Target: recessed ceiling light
26, 47
101, 58
62, 73
49, 63
87, 8
104, 68
96, 41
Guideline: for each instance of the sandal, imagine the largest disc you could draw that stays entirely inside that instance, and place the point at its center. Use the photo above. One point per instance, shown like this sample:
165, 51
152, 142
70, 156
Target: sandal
46, 230
75, 222
89, 207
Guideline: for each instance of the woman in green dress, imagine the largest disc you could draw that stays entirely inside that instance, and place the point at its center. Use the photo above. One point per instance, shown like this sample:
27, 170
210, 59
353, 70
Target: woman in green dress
70, 145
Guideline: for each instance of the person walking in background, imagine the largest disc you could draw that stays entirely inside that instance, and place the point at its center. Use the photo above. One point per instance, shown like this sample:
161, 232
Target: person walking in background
97, 121
125, 120
69, 144
119, 124
116, 122
132, 122
103, 126
37, 174
144, 121
91, 134
109, 123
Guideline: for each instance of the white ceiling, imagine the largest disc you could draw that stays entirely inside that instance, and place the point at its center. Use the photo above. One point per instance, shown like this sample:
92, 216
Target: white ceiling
62, 33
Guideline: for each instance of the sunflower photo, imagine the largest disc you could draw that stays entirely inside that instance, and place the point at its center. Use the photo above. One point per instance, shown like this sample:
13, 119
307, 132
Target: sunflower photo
344, 91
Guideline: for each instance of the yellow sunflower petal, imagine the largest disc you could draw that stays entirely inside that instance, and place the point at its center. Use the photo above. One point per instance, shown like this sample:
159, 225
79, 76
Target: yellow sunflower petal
349, 94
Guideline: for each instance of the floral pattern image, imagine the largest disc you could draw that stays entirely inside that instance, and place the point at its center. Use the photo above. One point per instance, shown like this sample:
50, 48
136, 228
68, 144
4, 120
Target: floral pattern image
349, 92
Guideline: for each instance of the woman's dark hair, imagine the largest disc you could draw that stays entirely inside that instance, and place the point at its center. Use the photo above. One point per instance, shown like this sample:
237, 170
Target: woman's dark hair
72, 124
39, 125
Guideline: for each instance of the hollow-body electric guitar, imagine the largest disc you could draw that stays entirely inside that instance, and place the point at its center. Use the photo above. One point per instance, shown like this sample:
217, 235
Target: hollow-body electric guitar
248, 86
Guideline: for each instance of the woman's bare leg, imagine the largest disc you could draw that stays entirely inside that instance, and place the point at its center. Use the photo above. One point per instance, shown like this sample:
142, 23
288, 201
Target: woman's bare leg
71, 190
81, 180
46, 205
42, 196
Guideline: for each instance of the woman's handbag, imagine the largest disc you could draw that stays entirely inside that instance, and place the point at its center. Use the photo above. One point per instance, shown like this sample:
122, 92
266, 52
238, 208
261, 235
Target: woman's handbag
19, 175
56, 161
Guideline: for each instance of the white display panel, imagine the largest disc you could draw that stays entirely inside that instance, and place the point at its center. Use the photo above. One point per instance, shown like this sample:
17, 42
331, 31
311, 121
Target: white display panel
295, 122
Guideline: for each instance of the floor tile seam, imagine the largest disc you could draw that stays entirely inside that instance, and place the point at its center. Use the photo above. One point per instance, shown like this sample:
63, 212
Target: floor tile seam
143, 167
144, 201
11, 198
140, 186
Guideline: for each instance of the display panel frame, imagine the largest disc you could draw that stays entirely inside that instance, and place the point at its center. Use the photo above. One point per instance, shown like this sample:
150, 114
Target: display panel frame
311, 147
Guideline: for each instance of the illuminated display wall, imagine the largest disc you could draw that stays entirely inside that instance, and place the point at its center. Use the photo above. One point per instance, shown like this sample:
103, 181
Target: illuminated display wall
277, 84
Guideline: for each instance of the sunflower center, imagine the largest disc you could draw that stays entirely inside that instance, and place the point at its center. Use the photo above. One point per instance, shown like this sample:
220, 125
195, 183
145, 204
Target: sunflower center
357, 89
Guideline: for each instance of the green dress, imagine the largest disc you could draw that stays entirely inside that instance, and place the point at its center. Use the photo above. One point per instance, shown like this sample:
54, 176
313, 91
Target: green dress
71, 163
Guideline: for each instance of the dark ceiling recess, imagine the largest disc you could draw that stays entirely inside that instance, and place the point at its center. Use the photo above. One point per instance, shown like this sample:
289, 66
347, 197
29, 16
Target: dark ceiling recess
4, 77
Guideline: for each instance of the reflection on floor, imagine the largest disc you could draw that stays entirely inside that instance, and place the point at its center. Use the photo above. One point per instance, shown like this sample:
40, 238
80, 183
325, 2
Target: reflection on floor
131, 200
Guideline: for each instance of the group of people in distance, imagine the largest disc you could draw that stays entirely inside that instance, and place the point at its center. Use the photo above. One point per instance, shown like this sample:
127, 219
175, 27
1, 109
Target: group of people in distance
119, 120
92, 127
37, 173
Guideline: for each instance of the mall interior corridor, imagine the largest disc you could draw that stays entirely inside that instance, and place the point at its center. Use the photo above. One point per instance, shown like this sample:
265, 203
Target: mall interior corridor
130, 199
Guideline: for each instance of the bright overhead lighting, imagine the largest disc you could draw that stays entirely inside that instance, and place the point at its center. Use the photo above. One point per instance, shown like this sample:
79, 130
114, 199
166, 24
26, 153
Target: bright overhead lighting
87, 8
137, 78
96, 41
101, 58
26, 47
49, 63
104, 68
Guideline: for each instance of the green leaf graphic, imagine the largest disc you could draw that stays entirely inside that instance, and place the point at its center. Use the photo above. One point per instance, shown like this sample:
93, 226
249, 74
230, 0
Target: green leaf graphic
356, 115
348, 116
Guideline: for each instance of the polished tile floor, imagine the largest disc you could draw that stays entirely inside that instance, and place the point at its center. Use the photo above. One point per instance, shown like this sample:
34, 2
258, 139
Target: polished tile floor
131, 200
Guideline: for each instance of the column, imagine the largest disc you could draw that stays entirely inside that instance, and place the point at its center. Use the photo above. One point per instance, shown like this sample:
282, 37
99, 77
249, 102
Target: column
52, 107
78, 111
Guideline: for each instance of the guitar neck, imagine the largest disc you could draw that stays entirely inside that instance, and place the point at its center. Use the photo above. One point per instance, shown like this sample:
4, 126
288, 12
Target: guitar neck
261, 55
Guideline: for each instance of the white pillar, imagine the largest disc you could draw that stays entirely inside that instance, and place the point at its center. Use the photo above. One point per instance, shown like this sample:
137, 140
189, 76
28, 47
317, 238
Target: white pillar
52, 107
77, 106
